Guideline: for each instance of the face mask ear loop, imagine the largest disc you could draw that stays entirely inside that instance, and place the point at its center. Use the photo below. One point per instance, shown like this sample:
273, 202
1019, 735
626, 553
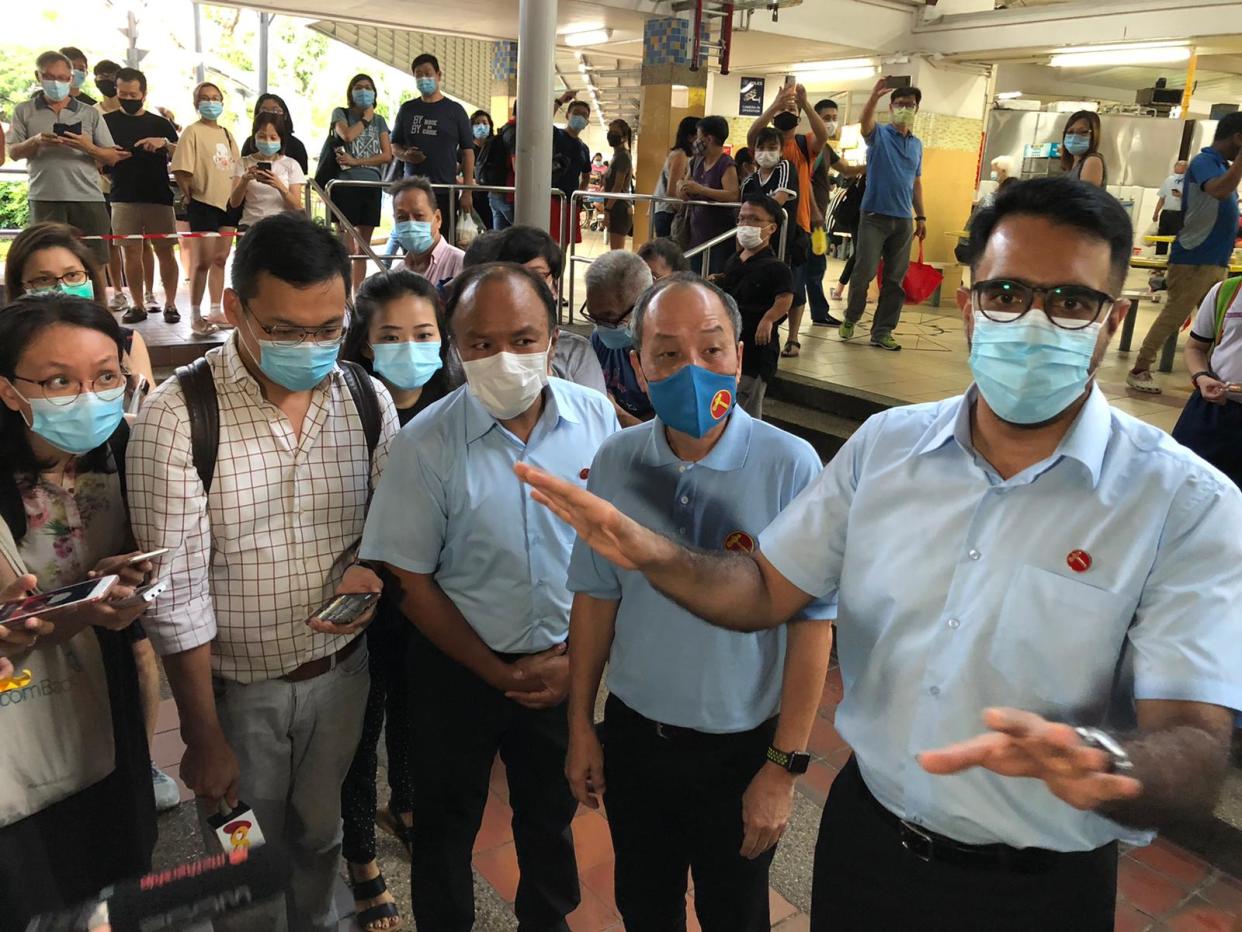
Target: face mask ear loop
22, 414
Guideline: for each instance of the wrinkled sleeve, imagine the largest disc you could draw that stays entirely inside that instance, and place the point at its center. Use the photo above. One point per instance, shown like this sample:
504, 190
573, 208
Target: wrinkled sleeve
409, 514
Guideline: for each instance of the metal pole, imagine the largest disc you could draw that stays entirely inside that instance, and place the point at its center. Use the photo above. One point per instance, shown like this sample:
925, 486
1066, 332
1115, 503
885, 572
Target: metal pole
200, 73
265, 20
536, 51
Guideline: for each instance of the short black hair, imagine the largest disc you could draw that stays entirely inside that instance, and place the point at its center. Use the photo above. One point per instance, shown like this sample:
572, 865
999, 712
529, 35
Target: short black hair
768, 204
133, 74
106, 66
744, 156
522, 243
73, 53
906, 93
666, 248
715, 126
476, 275
826, 102
415, 183
292, 249
1230, 125
425, 59
1065, 202
770, 134
578, 103
482, 248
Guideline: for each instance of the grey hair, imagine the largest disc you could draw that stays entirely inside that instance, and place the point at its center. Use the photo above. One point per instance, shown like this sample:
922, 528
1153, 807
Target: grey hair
619, 272
678, 279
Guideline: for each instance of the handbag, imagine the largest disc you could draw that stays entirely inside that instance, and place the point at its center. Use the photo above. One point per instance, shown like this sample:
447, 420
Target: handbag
328, 167
921, 280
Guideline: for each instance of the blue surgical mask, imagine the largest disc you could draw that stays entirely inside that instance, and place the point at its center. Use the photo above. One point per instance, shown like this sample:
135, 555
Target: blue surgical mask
577, 122
481, 130
693, 400
298, 368
1077, 143
210, 109
427, 86
55, 90
615, 338
1030, 370
79, 77
267, 147
407, 365
362, 97
80, 426
414, 235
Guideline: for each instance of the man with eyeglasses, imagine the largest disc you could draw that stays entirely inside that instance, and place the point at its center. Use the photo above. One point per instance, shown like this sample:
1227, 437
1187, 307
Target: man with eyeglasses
1032, 584
270, 696
614, 283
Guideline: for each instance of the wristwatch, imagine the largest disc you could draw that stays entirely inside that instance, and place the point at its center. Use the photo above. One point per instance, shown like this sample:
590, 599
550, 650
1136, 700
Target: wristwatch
1194, 379
795, 762
1096, 738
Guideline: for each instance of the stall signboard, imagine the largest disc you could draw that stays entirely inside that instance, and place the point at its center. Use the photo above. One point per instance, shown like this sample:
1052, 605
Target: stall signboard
750, 97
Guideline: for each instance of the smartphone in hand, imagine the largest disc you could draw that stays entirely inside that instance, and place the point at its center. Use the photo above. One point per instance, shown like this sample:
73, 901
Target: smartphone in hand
346, 608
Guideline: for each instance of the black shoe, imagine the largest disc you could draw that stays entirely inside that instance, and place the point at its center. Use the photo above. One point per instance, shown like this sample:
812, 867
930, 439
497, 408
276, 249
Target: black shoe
135, 315
830, 321
171, 314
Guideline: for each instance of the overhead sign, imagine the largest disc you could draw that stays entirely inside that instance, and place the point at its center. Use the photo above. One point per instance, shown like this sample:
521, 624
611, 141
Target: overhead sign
750, 97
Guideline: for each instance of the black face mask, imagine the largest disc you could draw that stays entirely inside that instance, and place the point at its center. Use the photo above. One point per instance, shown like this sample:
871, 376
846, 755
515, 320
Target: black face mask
785, 121
131, 106
106, 87
614, 139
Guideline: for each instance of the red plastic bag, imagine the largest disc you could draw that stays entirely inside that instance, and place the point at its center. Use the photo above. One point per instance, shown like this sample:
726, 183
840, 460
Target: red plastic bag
921, 279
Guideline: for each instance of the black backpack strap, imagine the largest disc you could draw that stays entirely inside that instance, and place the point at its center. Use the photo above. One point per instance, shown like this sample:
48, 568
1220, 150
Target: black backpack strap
804, 148
362, 389
117, 443
203, 408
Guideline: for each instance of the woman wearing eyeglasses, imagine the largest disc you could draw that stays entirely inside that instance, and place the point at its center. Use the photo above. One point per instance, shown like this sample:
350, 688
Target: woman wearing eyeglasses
77, 810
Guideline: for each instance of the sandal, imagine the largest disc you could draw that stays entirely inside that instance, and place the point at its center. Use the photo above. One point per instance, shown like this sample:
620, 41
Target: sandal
203, 328
392, 823
792, 348
371, 917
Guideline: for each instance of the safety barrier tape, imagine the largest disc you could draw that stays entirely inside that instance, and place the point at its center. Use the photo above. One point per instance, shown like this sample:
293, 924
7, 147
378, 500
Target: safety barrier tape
117, 236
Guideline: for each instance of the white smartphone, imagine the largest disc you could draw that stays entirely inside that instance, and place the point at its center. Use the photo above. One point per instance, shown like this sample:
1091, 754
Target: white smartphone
149, 555
791, 80
143, 595
45, 603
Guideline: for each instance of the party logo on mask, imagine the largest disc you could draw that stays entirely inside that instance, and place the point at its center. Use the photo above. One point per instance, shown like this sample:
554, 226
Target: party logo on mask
739, 542
721, 402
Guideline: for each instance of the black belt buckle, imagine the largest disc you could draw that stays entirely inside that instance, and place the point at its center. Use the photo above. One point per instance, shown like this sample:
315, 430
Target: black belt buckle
917, 841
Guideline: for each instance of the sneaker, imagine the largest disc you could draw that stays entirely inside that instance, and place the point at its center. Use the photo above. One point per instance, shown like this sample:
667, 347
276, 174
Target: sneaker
847, 330
167, 795
135, 315
1142, 382
886, 342
828, 321
152, 306
118, 303
171, 314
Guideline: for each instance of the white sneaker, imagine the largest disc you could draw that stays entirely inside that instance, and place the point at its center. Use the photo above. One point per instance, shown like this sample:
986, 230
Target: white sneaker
167, 795
1142, 382
118, 303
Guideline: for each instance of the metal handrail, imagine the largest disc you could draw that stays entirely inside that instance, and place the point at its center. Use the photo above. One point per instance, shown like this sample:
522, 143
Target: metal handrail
368, 252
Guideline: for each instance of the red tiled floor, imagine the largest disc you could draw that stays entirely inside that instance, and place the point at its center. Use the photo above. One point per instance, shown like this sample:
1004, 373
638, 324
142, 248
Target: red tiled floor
1224, 892
592, 841
1147, 889
167, 749
824, 739
799, 922
1200, 916
692, 918
1182, 867
779, 908
498, 783
497, 827
1129, 919
167, 719
593, 914
600, 881
499, 867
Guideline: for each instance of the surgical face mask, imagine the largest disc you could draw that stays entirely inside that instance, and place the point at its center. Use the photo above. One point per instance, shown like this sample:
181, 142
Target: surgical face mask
79, 78
210, 109
406, 365
55, 90
577, 122
267, 147
1030, 370
614, 338
785, 121
506, 384
85, 289
363, 97
767, 158
699, 146
427, 86
131, 106
414, 235
481, 130
903, 116
831, 126
1077, 143
993, 175
693, 400
298, 368
80, 426
106, 86
749, 238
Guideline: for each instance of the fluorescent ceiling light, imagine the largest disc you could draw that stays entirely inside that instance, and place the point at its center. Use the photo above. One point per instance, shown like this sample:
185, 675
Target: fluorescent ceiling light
1141, 55
587, 37
834, 64
838, 74
1008, 95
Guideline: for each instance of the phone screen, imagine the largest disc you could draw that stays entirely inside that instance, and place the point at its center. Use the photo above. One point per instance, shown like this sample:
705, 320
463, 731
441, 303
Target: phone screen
56, 599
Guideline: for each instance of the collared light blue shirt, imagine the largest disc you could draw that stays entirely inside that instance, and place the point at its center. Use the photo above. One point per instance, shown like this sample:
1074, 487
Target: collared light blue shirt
666, 663
894, 160
1109, 572
453, 507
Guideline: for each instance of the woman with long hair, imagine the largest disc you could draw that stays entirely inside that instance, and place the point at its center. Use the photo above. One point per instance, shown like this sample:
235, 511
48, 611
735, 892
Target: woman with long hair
1080, 149
617, 181
364, 151
270, 181
676, 164
294, 147
483, 129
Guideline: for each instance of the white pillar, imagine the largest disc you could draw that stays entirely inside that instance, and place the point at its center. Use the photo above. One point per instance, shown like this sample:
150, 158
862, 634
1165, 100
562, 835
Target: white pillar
265, 20
536, 60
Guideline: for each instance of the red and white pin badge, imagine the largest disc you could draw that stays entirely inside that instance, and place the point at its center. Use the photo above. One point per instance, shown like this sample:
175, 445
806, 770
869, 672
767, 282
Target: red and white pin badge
584, 473
1078, 560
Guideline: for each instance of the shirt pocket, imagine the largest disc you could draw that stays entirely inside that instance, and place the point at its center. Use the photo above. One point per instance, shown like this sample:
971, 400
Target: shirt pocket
1057, 644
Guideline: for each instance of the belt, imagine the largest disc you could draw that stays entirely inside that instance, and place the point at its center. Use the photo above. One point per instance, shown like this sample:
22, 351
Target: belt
678, 733
320, 666
927, 845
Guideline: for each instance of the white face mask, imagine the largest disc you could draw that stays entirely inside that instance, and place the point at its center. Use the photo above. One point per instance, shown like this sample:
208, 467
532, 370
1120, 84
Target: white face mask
766, 158
831, 126
506, 384
749, 238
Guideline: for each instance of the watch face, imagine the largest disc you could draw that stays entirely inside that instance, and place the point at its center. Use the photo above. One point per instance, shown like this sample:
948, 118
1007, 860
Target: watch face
799, 761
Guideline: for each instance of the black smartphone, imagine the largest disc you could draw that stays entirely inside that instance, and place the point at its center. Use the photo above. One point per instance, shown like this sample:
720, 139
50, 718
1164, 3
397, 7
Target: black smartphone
347, 608
263, 166
895, 81
61, 128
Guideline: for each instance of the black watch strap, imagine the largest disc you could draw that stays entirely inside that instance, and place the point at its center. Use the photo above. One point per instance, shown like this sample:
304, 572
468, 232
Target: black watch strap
1194, 379
796, 762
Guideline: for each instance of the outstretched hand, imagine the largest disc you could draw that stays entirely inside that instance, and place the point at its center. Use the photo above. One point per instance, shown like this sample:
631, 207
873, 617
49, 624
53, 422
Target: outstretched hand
1023, 744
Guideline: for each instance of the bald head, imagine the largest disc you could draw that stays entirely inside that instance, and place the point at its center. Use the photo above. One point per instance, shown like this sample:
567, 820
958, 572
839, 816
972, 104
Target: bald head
685, 320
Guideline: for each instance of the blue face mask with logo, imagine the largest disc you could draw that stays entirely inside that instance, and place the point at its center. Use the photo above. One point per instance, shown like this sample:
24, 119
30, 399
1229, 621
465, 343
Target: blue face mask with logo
615, 338
1077, 143
210, 109
693, 400
577, 122
55, 90
363, 97
481, 130
427, 86
1030, 370
407, 365
80, 426
266, 147
414, 235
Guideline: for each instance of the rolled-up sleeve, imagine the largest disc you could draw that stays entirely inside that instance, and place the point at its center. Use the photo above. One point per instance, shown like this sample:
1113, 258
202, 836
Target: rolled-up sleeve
168, 508
408, 519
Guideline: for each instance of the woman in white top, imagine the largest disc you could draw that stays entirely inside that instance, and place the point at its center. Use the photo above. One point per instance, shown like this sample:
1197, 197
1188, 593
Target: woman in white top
269, 181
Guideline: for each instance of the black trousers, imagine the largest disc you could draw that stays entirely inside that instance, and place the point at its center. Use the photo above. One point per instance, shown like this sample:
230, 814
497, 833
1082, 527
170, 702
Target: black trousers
1214, 432
459, 723
1169, 224
675, 804
865, 880
388, 644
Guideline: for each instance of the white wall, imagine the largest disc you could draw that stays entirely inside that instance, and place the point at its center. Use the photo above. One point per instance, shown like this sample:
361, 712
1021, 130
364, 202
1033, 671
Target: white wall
946, 89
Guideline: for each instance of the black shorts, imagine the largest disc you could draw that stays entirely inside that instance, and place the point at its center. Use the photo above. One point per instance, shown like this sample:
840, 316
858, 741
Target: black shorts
205, 218
620, 219
361, 206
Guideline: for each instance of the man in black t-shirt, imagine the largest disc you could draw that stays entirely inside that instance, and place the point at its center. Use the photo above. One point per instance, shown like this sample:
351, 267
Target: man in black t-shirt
141, 197
432, 134
762, 285
571, 162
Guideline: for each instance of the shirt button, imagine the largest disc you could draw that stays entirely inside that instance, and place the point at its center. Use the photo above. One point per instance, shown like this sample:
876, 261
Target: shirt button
935, 690
685, 499
974, 554
681, 468
954, 623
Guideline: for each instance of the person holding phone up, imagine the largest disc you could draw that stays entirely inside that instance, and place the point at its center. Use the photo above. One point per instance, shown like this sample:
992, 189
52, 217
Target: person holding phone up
269, 181
76, 812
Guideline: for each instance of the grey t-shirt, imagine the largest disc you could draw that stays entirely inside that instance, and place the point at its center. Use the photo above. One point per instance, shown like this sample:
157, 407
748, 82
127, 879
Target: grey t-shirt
60, 173
366, 145
439, 130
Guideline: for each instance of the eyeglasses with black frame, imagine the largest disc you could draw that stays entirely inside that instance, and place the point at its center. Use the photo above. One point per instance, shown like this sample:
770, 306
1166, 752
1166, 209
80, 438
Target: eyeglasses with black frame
50, 282
295, 336
622, 321
1070, 307
61, 390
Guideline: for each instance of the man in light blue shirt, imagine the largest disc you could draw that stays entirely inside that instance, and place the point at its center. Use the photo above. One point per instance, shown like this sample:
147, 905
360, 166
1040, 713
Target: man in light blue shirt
482, 572
1064, 560
885, 230
699, 770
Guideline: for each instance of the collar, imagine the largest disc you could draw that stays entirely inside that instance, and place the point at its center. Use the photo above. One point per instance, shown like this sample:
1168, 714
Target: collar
73, 106
556, 407
764, 253
728, 454
1086, 441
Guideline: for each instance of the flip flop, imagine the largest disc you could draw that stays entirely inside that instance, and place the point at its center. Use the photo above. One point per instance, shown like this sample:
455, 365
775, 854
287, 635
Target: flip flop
792, 348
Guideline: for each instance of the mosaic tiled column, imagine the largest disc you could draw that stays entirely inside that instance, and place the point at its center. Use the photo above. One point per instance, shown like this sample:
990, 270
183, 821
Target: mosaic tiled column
504, 79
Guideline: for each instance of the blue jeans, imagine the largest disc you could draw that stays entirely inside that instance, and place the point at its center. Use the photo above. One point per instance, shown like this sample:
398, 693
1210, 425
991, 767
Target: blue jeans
502, 211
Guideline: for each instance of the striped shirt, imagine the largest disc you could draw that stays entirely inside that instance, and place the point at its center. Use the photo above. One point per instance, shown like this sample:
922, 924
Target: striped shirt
252, 561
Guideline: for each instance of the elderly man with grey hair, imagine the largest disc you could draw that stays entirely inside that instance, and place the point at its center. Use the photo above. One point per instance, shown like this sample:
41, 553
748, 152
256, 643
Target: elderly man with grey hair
615, 281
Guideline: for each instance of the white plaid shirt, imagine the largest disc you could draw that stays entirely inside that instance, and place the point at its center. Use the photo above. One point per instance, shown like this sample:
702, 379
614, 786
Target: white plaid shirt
252, 561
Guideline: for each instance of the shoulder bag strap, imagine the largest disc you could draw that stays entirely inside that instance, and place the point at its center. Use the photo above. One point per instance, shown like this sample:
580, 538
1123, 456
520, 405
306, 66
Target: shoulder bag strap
203, 408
